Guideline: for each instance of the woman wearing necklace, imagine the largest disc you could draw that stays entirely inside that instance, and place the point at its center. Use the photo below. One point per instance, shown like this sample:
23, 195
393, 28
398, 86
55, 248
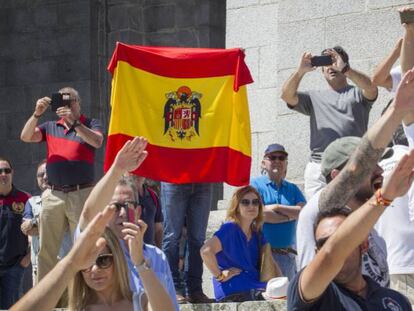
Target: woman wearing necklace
232, 254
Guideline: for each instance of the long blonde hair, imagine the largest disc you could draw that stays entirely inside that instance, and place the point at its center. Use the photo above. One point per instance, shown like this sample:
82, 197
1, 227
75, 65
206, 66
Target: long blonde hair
233, 212
81, 295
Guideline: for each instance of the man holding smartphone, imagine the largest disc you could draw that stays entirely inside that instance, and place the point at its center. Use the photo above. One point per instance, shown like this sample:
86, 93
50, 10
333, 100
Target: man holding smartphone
338, 111
71, 142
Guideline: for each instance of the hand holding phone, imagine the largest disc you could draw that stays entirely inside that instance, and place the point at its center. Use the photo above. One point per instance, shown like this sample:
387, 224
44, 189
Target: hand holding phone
60, 100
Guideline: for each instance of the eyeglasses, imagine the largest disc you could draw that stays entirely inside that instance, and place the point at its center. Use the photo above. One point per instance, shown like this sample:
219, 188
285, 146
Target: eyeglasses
103, 261
320, 242
125, 205
247, 202
5, 170
276, 157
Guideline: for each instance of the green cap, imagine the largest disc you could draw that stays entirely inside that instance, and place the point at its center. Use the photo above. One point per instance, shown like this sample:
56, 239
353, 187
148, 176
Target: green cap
339, 152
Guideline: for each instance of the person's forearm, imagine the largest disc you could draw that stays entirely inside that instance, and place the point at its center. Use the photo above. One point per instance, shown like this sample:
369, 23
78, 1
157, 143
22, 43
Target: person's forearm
407, 50
343, 187
46, 294
291, 211
362, 81
29, 129
290, 88
91, 137
100, 196
210, 260
33, 231
382, 71
158, 236
158, 297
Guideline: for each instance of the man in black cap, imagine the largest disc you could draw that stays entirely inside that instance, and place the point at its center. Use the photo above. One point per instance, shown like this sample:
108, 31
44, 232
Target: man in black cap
282, 199
338, 111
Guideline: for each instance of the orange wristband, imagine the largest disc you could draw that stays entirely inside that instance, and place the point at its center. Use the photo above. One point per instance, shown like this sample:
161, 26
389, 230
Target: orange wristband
380, 200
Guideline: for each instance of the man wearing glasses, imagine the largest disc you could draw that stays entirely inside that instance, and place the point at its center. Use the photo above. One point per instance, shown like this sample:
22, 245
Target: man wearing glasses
14, 252
283, 201
71, 143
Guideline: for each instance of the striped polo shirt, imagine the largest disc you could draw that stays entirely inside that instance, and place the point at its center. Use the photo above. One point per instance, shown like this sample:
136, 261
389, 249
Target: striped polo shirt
70, 160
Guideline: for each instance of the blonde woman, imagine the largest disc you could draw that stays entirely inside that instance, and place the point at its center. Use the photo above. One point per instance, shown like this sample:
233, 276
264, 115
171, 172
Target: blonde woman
232, 254
105, 284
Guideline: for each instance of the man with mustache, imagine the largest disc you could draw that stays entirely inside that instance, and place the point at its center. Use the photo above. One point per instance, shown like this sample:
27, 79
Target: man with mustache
338, 111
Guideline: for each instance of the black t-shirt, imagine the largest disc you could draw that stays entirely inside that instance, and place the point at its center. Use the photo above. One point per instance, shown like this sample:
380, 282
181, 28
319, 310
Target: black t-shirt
337, 298
151, 214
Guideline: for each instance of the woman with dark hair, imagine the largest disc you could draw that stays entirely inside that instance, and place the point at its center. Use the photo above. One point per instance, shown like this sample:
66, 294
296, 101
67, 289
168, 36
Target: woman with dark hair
232, 254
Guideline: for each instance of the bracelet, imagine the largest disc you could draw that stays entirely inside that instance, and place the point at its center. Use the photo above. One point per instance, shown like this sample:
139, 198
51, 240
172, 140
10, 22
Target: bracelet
220, 277
380, 200
36, 116
75, 124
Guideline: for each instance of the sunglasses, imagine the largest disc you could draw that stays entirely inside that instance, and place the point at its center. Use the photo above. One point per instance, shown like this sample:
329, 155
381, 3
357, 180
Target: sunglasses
5, 170
320, 242
125, 205
247, 202
276, 157
103, 261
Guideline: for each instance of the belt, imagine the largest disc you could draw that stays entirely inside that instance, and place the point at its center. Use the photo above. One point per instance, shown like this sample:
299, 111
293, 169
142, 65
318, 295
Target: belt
284, 251
70, 188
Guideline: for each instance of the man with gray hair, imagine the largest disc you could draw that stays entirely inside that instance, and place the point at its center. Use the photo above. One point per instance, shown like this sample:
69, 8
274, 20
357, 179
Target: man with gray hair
71, 144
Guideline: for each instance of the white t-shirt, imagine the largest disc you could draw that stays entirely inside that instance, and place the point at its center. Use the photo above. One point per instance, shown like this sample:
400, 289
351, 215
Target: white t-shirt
374, 261
396, 78
409, 133
395, 227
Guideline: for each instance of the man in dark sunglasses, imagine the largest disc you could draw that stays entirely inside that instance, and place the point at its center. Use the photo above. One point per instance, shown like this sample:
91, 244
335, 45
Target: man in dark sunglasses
14, 252
283, 201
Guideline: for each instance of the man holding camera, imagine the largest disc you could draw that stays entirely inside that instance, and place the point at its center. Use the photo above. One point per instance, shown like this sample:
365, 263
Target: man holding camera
338, 111
71, 143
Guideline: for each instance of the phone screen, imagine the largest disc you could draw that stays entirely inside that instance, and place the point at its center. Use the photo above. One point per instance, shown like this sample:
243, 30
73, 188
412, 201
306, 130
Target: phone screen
131, 215
318, 61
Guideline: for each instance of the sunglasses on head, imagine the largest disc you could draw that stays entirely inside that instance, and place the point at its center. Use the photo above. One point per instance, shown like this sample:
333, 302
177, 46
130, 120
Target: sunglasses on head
276, 157
103, 261
247, 202
125, 205
5, 170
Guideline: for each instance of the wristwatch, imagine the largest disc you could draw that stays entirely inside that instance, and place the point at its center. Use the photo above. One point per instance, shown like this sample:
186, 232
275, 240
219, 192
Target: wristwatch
143, 266
76, 124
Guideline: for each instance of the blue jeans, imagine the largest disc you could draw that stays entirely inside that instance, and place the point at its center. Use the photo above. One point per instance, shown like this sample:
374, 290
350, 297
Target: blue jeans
11, 280
287, 264
190, 204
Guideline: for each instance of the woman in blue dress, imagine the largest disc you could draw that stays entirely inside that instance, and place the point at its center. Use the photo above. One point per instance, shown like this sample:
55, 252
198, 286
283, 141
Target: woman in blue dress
232, 254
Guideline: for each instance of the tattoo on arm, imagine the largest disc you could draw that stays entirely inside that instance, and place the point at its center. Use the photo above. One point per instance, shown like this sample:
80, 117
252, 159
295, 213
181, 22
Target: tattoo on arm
344, 186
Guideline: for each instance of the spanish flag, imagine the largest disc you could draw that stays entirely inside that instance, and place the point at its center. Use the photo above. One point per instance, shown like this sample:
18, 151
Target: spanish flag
191, 105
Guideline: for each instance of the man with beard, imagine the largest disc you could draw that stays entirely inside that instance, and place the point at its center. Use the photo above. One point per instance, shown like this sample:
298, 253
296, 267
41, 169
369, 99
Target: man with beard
333, 279
334, 159
338, 111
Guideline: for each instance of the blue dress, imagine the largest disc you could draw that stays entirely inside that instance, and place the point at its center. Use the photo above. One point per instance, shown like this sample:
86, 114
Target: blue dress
239, 253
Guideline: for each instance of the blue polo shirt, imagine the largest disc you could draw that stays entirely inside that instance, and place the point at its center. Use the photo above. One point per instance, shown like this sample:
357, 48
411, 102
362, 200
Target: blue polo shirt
286, 194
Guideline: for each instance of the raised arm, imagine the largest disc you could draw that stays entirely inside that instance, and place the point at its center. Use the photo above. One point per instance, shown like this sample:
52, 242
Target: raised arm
46, 294
290, 87
362, 162
30, 133
352, 232
129, 158
382, 76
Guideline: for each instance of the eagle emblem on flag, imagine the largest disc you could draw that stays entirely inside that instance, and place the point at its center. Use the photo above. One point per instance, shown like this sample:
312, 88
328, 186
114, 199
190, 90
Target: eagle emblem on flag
182, 113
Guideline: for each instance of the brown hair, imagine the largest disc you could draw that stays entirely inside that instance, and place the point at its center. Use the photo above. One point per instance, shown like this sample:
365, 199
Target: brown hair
233, 212
80, 295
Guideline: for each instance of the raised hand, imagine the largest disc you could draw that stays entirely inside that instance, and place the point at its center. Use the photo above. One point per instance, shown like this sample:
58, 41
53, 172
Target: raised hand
133, 234
66, 113
90, 242
305, 63
131, 155
337, 62
401, 178
404, 97
41, 105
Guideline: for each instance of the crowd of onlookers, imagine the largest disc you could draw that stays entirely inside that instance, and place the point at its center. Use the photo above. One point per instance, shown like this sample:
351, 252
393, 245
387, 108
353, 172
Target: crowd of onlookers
119, 244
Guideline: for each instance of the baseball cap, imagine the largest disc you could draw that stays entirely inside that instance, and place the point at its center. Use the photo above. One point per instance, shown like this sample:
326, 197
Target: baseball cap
339, 152
275, 148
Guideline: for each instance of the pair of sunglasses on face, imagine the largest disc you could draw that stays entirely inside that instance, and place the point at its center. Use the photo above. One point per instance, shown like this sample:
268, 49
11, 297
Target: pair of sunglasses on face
125, 205
103, 261
247, 202
276, 157
5, 170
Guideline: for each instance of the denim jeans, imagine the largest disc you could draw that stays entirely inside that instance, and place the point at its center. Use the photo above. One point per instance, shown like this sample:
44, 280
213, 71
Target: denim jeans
287, 264
11, 279
190, 204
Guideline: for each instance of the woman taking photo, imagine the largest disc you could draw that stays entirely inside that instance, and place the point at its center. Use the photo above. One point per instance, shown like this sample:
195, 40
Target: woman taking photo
232, 254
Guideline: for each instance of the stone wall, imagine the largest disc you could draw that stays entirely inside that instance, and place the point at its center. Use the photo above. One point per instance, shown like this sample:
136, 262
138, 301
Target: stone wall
48, 44
275, 33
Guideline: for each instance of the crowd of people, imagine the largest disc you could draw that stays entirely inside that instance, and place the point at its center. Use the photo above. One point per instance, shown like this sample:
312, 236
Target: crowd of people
115, 245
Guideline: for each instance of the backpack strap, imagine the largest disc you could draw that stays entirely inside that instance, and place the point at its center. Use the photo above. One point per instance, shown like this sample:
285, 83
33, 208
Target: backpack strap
153, 196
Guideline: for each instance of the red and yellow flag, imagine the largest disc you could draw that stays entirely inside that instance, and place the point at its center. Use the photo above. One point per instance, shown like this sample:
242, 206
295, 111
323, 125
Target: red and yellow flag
191, 105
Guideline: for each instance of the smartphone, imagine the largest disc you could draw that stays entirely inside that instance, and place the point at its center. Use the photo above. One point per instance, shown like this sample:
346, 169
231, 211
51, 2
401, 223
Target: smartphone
324, 60
59, 100
131, 215
407, 17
